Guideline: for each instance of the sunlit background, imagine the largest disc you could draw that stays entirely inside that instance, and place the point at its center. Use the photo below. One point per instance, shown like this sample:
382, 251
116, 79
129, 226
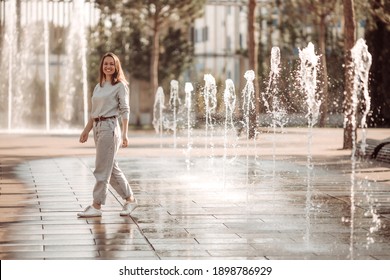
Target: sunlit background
50, 50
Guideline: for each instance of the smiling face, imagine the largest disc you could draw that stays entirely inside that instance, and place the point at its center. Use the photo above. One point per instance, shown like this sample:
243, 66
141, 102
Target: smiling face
111, 70
108, 67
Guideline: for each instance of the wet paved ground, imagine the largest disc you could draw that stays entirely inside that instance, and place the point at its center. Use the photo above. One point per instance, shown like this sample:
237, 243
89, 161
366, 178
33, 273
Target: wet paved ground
258, 201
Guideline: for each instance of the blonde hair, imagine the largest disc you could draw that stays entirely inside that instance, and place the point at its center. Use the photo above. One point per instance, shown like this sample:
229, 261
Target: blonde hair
118, 75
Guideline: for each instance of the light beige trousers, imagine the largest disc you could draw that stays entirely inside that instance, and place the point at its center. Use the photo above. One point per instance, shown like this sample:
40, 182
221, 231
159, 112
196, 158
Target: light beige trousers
107, 136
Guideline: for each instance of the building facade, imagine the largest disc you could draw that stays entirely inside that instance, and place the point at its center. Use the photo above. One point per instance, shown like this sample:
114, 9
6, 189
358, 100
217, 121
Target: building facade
220, 39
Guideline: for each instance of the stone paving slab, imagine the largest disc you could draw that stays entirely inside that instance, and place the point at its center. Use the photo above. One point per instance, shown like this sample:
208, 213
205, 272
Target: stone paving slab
253, 203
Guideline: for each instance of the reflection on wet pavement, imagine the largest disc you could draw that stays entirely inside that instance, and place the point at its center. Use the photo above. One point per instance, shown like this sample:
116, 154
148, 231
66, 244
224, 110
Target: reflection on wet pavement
209, 209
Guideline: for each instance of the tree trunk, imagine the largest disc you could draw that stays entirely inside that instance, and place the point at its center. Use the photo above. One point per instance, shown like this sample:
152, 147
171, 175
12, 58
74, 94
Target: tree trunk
155, 57
252, 56
378, 39
324, 72
349, 41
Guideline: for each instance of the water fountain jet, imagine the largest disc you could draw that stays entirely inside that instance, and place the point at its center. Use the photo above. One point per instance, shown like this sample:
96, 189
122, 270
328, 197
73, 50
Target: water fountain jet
229, 98
272, 99
210, 99
188, 88
26, 53
308, 81
174, 101
361, 62
158, 108
248, 97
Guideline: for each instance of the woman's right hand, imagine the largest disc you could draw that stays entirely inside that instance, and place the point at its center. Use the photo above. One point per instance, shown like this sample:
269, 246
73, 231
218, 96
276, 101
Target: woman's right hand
84, 137
87, 129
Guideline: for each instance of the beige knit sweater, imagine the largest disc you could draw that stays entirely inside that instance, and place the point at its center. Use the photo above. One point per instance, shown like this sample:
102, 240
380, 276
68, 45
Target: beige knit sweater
110, 100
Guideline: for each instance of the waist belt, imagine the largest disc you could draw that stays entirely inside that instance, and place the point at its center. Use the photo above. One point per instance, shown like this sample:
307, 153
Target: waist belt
103, 118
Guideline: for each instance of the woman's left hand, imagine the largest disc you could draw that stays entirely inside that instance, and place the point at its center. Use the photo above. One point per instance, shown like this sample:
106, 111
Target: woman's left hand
125, 141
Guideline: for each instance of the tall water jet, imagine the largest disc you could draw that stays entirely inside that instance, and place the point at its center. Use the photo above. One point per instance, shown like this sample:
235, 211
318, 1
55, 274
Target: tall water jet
10, 76
9, 45
248, 97
188, 88
361, 60
248, 105
158, 108
84, 45
25, 52
273, 105
229, 98
15, 51
271, 97
73, 87
174, 101
47, 78
210, 100
308, 83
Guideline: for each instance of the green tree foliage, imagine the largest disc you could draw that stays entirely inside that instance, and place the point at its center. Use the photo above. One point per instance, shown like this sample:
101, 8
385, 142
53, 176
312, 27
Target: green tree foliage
139, 56
295, 31
175, 57
156, 20
102, 38
128, 28
177, 53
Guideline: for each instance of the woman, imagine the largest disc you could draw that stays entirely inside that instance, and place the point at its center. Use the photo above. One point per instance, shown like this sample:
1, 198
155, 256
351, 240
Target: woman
110, 101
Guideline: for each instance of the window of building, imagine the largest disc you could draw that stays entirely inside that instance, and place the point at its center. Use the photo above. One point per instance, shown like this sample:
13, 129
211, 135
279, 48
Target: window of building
200, 34
205, 34
195, 35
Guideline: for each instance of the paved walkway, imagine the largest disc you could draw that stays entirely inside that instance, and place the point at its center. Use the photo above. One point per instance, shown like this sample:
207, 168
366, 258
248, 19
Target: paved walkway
245, 200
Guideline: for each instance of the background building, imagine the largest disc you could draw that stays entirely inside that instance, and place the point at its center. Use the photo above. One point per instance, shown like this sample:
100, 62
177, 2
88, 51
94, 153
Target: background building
220, 38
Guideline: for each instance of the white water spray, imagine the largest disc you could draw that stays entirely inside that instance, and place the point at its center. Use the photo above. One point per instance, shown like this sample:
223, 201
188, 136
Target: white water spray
308, 82
248, 105
210, 101
9, 47
271, 97
229, 98
26, 41
361, 60
158, 108
174, 101
73, 90
47, 78
248, 97
10, 76
188, 88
